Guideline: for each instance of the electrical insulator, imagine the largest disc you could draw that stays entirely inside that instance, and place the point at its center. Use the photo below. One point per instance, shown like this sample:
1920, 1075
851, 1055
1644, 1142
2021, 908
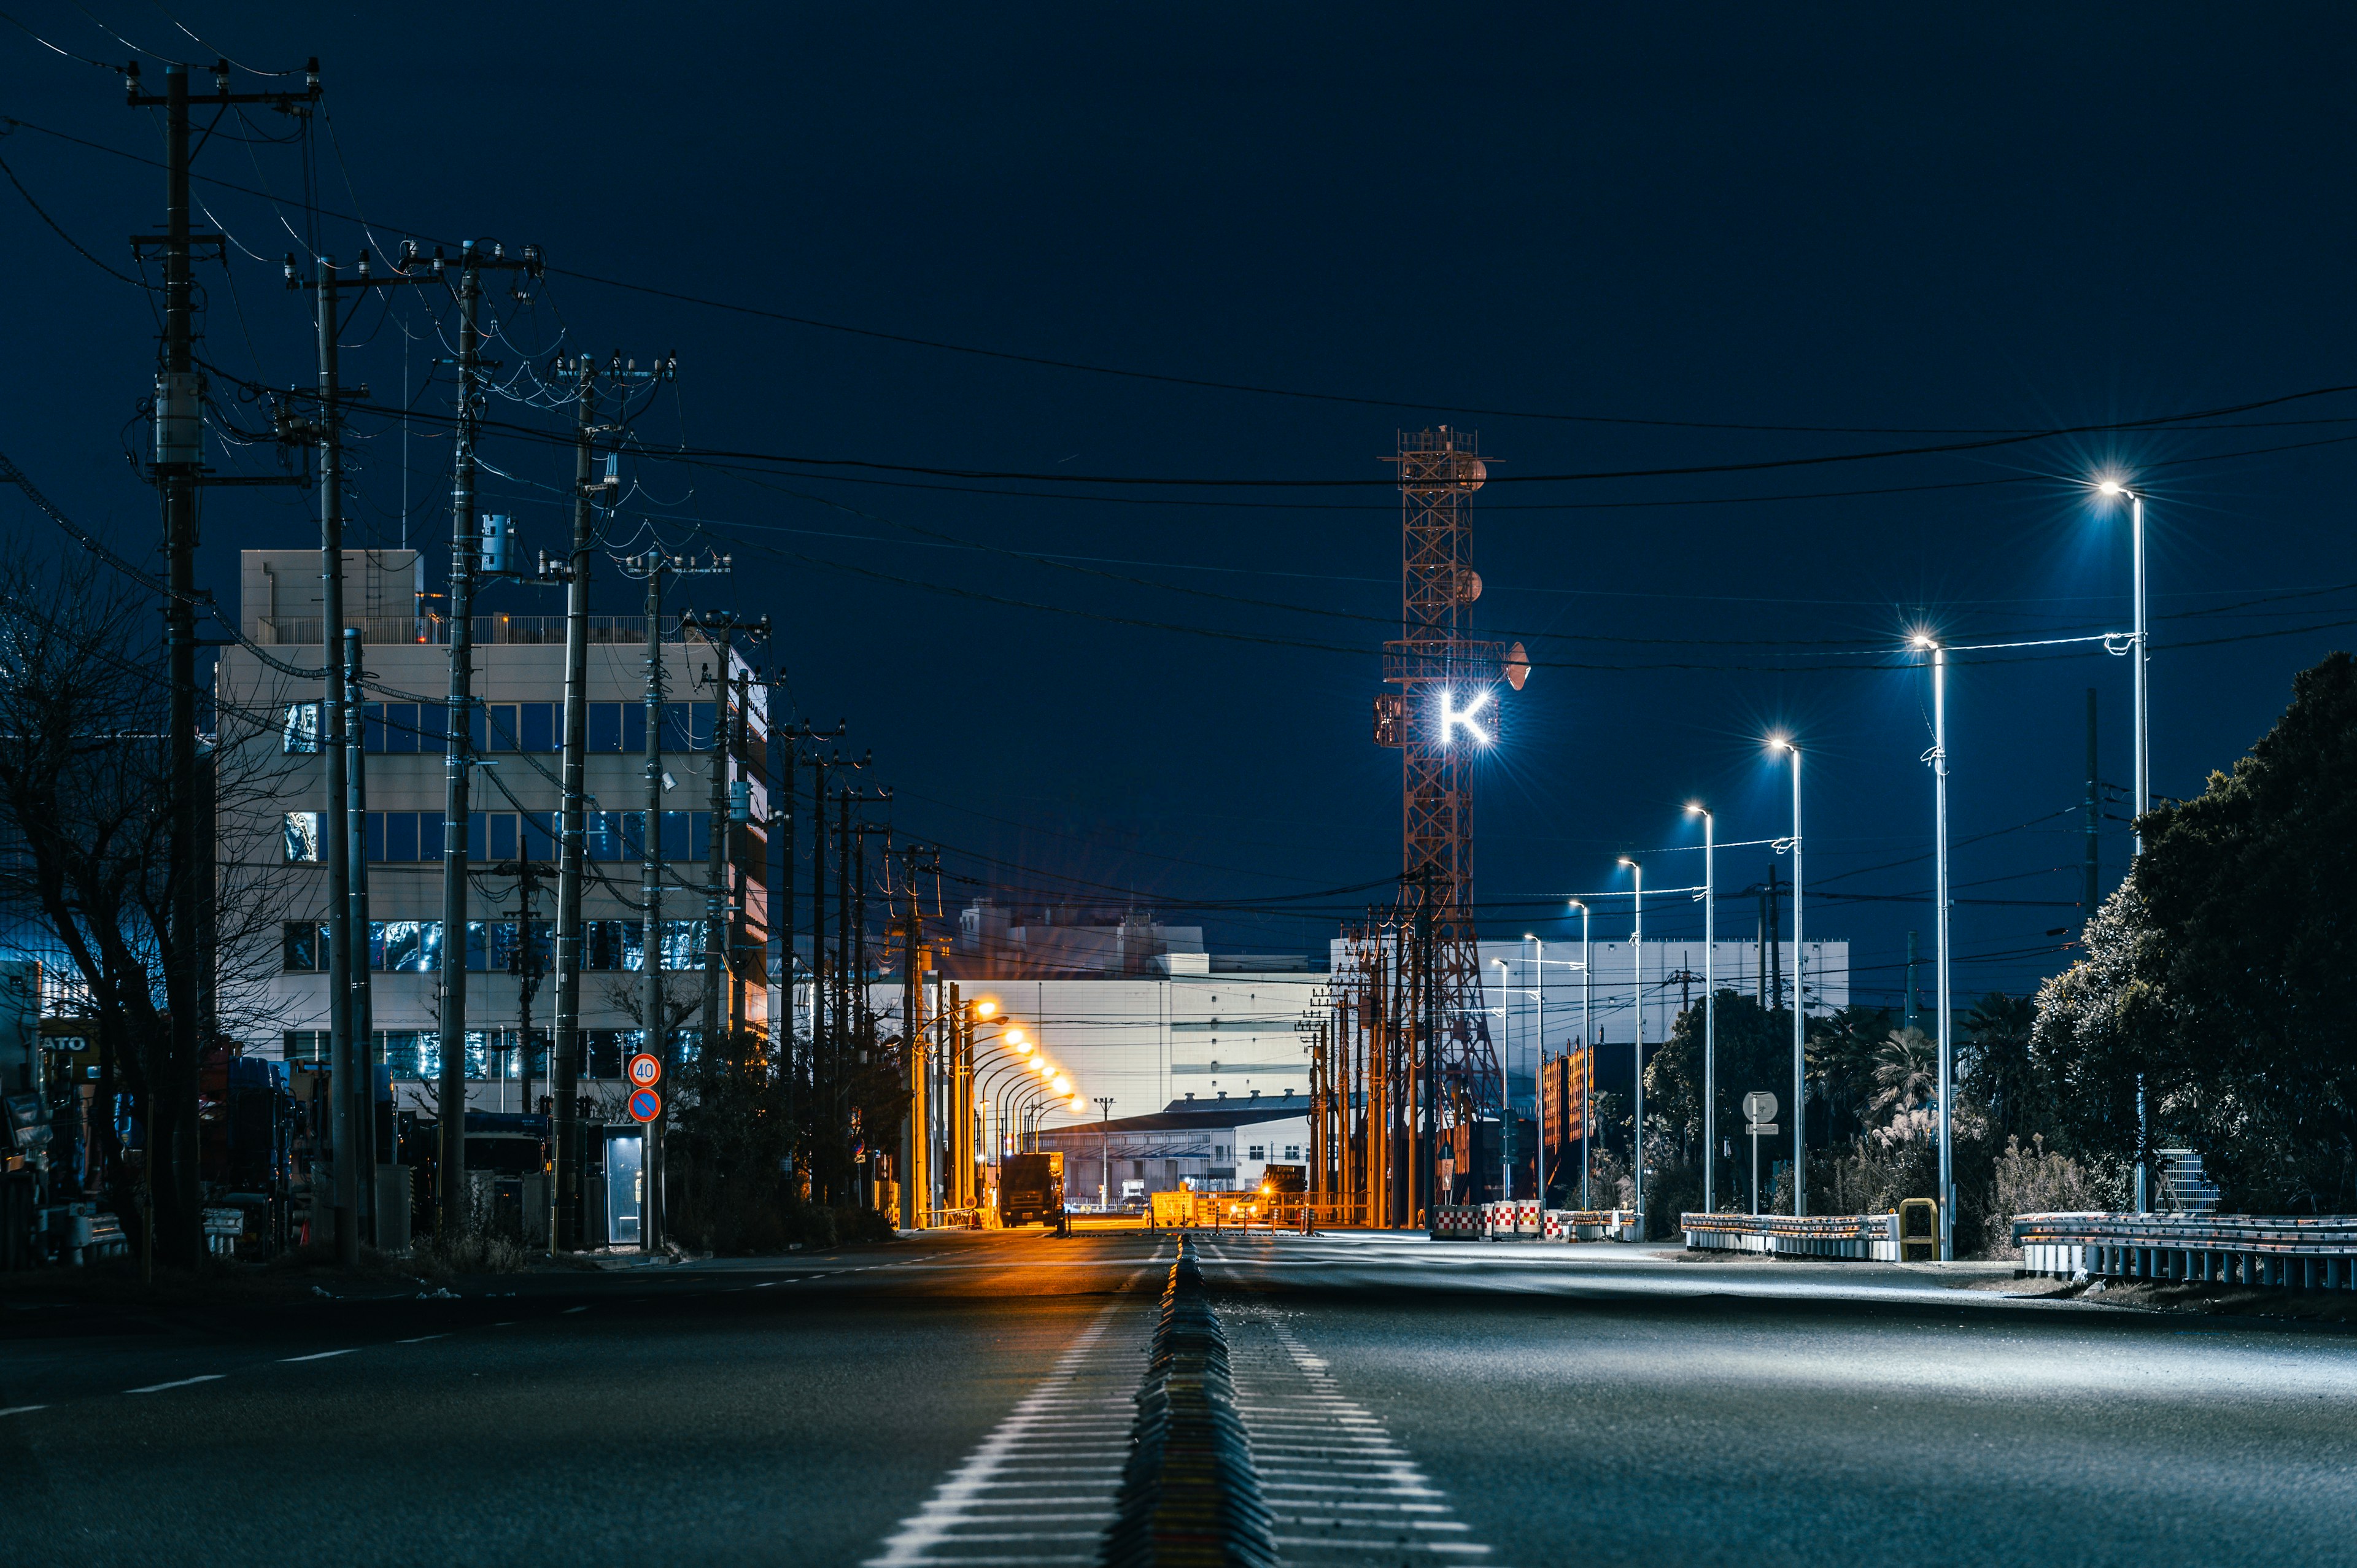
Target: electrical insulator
496, 541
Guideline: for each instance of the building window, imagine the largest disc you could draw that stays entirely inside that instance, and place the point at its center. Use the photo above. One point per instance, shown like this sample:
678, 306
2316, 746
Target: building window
305, 946
304, 832
1256, 1153
301, 735
307, 1045
1292, 1151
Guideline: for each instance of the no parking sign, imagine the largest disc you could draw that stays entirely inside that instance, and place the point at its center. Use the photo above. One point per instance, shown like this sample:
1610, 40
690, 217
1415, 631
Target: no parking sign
645, 1105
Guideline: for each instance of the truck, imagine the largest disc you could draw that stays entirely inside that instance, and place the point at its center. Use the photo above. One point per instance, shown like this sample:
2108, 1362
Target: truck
1031, 1186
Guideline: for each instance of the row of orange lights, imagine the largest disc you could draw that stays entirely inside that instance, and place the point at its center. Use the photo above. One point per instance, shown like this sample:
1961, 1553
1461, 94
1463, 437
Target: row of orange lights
1034, 1057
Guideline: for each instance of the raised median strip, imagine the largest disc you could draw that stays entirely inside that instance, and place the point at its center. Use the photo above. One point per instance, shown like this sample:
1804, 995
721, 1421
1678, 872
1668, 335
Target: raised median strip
1864, 1237
1188, 1495
2278, 1251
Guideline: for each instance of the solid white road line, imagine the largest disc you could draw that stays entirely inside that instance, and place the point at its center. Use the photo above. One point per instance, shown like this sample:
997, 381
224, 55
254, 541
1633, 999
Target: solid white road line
314, 1356
184, 1383
23, 1409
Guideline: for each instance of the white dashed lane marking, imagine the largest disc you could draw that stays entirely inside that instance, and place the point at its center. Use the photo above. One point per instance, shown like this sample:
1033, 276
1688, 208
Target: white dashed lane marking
1339, 1488
182, 1383
1041, 1487
314, 1356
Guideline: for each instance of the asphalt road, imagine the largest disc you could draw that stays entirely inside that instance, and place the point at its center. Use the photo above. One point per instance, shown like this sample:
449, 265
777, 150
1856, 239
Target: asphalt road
964, 1399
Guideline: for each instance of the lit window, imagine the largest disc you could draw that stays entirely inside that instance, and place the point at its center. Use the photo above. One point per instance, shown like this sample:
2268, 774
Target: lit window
301, 735
304, 832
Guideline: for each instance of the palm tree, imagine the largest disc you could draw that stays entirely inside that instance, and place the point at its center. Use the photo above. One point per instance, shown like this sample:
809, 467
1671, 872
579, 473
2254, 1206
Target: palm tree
1906, 1074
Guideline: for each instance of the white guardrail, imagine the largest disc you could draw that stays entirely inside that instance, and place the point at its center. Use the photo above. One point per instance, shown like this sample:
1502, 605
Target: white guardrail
1867, 1237
2284, 1252
1522, 1218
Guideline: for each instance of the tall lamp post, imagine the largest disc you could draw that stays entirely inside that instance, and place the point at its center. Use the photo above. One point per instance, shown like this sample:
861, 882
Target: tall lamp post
1709, 1004
2143, 796
2142, 799
1586, 1054
1637, 1010
1538, 1077
1800, 1059
1505, 1106
1937, 758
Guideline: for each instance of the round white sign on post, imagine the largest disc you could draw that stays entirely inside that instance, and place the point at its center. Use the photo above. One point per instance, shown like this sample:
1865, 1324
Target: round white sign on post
1760, 1106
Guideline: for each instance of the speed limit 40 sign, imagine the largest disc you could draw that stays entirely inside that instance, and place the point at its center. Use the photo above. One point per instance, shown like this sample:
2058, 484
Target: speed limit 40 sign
644, 1070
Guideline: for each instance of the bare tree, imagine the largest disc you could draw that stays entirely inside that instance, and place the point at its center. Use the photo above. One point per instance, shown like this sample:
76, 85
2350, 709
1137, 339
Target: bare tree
84, 787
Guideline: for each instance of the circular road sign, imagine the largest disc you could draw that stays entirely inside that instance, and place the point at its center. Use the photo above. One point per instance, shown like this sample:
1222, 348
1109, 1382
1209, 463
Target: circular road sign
644, 1070
645, 1105
1760, 1105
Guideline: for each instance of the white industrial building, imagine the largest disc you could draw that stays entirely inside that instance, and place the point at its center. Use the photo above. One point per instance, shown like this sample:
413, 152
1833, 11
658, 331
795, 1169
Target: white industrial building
518, 683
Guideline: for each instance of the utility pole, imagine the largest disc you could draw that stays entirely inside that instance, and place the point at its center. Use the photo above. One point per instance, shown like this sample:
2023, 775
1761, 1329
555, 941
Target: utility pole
457, 755
1104, 1152
916, 1133
568, 1153
178, 470
855, 960
527, 875
790, 744
655, 566
363, 1008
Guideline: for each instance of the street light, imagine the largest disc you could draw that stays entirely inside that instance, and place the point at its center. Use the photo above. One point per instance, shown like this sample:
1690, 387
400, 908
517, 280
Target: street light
1709, 1003
1587, 1055
1799, 1060
1637, 997
1938, 759
2142, 800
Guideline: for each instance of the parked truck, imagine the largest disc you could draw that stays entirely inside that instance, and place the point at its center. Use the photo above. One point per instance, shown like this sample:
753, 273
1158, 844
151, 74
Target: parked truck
1031, 1186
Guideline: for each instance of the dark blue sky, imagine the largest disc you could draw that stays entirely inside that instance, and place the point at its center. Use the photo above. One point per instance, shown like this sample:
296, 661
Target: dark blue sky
1886, 222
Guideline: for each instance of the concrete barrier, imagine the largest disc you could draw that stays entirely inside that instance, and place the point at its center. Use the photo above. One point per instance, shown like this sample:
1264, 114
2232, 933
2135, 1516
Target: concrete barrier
1864, 1237
2279, 1252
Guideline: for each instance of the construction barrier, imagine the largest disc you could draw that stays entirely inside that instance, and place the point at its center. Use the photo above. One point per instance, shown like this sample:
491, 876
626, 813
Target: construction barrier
2281, 1251
1453, 1223
1867, 1237
1512, 1216
1590, 1225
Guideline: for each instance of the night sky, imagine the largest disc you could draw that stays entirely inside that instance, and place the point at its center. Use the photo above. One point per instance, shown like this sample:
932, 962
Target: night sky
1649, 241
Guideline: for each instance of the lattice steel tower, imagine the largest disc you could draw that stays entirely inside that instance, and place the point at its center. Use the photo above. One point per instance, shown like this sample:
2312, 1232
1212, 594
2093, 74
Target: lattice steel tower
1441, 710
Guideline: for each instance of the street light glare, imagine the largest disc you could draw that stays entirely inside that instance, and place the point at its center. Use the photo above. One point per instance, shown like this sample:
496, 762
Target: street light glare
1626, 861
1781, 742
986, 1009
1694, 809
2109, 488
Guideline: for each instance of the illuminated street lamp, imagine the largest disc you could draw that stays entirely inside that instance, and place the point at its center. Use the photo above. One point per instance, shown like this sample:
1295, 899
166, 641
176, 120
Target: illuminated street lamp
1636, 998
1709, 1003
1800, 1059
2143, 797
1938, 757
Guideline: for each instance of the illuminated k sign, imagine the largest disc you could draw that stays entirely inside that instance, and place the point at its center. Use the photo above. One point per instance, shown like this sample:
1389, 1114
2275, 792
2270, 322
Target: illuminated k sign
1453, 718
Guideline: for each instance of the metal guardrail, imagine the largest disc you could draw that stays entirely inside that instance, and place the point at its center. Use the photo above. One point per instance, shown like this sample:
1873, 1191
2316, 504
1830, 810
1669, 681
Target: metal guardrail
2284, 1252
1864, 1237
